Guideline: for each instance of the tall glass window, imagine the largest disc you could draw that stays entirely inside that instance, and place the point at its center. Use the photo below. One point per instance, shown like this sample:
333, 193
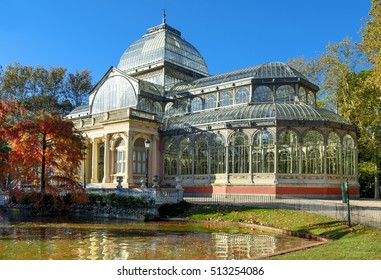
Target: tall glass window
288, 151
185, 157
170, 157
226, 98
217, 154
239, 153
263, 94
313, 148
333, 154
242, 96
196, 104
348, 155
201, 155
263, 152
210, 101
120, 156
139, 157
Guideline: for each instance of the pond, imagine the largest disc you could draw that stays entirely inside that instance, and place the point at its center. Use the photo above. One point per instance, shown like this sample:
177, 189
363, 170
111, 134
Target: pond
101, 239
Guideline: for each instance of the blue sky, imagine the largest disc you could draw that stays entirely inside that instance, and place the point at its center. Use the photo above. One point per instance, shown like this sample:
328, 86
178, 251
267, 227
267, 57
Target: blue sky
79, 34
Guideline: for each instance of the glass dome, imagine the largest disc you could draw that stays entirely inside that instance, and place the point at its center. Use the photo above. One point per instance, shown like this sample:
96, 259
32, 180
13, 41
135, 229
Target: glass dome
162, 43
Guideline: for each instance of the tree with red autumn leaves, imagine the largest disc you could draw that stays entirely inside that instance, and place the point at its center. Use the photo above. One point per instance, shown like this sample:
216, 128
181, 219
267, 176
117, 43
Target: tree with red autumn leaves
43, 149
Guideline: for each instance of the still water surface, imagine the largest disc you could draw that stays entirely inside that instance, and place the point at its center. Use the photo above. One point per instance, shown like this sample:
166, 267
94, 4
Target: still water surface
101, 239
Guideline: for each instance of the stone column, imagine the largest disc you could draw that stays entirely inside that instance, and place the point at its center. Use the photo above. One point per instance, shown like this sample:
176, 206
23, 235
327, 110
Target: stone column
94, 171
154, 156
325, 145
227, 163
356, 160
209, 160
276, 155
250, 163
129, 165
106, 166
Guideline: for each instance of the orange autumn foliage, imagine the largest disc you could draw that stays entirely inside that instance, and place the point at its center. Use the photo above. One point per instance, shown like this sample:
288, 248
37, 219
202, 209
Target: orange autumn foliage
24, 134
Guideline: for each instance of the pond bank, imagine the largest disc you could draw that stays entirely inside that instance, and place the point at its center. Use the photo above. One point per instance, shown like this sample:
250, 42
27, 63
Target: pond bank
137, 214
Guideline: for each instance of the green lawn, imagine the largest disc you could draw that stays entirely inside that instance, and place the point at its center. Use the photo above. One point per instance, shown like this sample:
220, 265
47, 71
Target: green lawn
358, 242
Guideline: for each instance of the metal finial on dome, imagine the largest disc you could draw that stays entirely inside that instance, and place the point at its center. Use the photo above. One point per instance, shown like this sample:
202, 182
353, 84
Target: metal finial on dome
164, 17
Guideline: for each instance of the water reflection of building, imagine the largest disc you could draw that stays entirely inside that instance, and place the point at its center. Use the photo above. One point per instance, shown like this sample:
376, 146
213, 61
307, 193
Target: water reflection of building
103, 246
250, 131
243, 246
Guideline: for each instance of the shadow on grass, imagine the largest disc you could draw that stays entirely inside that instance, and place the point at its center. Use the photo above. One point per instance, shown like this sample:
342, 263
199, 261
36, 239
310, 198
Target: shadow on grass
334, 229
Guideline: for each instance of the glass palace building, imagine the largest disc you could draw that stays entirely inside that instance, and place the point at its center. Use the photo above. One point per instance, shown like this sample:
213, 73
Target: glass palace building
254, 131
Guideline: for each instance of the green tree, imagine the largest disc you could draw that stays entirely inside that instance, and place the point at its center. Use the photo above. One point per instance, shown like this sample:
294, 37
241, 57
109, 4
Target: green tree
50, 90
78, 86
371, 47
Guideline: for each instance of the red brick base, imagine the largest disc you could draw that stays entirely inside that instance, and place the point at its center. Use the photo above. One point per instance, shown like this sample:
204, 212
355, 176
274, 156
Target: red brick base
286, 190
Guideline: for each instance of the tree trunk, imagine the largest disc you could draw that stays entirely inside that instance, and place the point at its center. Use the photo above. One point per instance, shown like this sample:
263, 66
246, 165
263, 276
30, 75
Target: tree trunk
43, 163
377, 176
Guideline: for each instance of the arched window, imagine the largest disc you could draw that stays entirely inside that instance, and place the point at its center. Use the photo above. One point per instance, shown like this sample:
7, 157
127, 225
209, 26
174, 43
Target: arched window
239, 153
333, 154
288, 151
348, 155
196, 104
144, 105
185, 157
210, 101
242, 96
157, 109
170, 157
217, 154
313, 148
120, 156
263, 94
139, 157
201, 155
226, 98
285, 94
263, 152
117, 92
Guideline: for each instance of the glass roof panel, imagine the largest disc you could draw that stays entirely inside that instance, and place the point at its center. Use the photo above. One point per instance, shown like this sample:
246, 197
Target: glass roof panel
162, 43
253, 112
267, 70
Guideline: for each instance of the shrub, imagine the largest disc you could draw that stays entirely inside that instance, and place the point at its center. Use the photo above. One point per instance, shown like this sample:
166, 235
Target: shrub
119, 201
172, 210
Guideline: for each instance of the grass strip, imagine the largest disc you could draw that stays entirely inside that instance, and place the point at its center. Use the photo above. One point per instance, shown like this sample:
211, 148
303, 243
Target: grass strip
356, 243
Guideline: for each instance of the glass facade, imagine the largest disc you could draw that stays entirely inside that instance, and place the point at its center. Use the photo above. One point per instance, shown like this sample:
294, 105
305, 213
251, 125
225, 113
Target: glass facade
292, 150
